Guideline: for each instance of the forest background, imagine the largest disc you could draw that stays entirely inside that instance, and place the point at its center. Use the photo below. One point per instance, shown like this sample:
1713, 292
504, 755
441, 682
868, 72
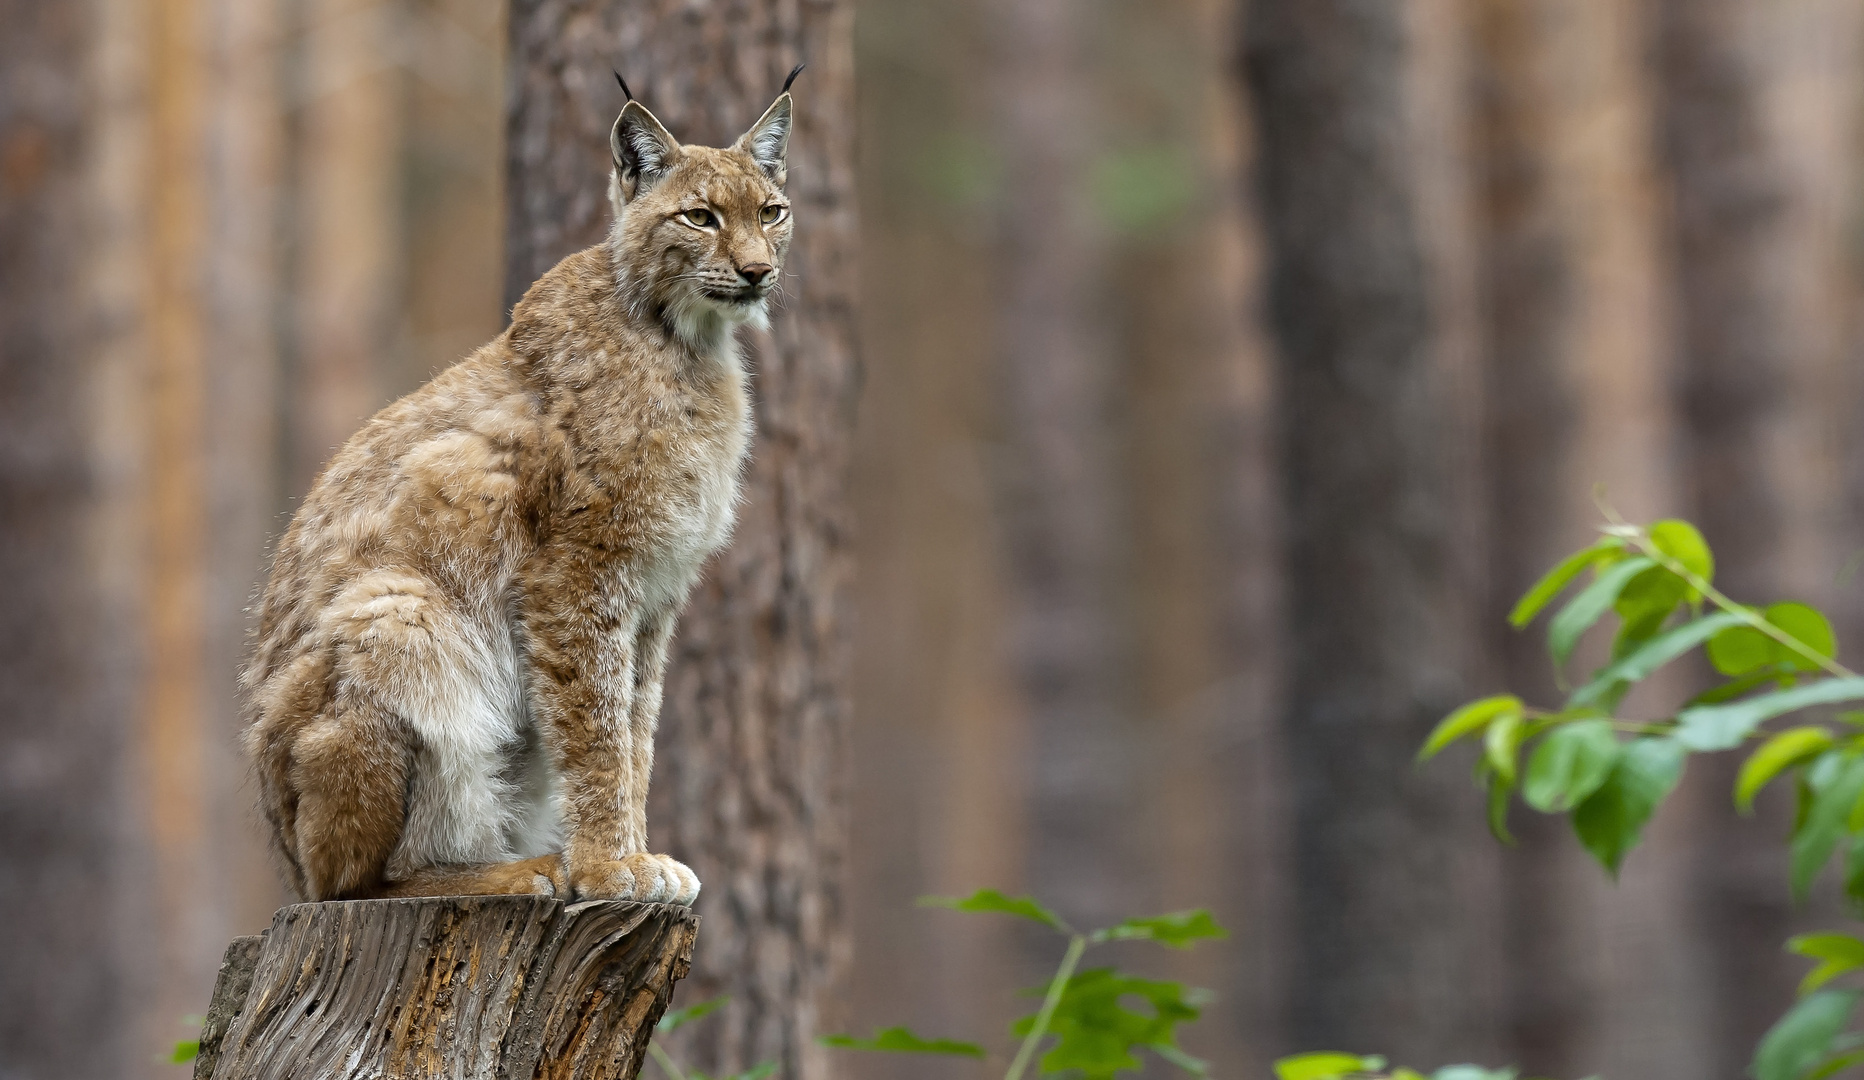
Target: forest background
1224, 375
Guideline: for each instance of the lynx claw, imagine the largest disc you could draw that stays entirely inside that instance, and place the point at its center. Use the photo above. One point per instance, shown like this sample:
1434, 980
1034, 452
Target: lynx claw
652, 879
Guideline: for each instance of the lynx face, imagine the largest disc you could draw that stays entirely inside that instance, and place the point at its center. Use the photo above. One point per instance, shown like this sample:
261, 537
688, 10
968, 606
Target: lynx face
700, 232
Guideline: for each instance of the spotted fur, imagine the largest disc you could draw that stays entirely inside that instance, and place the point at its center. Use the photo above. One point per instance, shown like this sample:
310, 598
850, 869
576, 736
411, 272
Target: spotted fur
461, 646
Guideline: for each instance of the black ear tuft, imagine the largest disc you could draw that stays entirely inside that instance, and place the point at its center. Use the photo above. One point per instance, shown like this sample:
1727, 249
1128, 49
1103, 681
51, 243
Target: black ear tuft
786, 83
630, 94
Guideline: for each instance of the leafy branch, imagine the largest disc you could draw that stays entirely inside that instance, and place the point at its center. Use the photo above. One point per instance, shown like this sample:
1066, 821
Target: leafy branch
672, 1021
1094, 1033
1778, 660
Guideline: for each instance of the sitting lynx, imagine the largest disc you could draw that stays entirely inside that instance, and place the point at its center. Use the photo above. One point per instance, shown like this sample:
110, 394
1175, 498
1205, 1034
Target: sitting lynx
459, 656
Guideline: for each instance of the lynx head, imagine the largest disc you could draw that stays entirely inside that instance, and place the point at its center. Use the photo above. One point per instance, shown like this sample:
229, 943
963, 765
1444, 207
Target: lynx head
700, 232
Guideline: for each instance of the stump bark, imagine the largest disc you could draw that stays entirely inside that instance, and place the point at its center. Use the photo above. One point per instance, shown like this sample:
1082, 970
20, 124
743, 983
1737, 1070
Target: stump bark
466, 987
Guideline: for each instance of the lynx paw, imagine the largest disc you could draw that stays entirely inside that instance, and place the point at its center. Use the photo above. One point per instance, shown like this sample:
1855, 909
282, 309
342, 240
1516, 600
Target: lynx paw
542, 876
653, 879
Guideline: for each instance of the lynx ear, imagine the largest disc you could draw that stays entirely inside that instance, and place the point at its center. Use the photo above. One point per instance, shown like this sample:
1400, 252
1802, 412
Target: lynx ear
768, 141
642, 149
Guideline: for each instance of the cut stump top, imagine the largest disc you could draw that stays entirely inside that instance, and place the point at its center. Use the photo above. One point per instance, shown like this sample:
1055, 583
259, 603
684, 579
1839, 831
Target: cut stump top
467, 987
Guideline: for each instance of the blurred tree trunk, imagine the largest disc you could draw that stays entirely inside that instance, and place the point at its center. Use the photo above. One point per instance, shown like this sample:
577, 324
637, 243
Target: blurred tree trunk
1758, 127
1370, 303
1578, 396
1196, 467
749, 785
937, 802
1061, 498
62, 674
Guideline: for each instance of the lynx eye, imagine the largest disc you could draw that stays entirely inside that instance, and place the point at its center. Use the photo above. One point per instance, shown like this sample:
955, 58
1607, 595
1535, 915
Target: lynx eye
771, 214
701, 217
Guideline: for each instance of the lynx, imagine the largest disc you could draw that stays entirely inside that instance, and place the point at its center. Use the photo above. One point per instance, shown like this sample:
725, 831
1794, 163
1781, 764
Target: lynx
460, 650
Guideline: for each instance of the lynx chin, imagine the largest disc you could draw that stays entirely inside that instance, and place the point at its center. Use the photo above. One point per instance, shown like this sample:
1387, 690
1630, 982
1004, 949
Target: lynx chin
459, 657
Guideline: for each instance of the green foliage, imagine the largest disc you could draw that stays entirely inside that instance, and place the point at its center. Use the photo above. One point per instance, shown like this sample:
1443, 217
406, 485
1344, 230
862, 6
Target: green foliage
1558, 578
185, 1051
674, 1019
1086, 1020
1590, 606
1326, 1065
1569, 765
1806, 1038
1176, 930
1611, 773
990, 900
901, 1041
1612, 818
1779, 753
1469, 720
1837, 953
1332, 1065
1724, 727
1096, 1034
1145, 188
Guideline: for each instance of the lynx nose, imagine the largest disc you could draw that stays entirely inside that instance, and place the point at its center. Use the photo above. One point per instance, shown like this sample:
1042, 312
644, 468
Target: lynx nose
755, 273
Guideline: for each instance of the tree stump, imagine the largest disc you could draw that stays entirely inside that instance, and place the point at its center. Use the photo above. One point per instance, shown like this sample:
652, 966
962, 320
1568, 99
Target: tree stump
466, 987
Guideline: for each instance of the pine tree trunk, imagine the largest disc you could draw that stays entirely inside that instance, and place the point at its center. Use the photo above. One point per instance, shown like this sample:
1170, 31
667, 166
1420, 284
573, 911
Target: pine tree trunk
748, 786
1392, 881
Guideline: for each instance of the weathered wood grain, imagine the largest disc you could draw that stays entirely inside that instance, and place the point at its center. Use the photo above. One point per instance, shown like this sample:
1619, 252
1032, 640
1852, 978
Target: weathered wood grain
230, 989
465, 988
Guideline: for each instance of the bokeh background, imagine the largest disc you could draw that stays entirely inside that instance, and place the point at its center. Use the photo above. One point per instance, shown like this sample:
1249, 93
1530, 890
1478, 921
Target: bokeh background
1164, 563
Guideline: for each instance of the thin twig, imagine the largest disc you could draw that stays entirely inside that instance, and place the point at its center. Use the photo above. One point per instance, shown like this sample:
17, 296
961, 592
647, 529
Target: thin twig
666, 1063
1076, 945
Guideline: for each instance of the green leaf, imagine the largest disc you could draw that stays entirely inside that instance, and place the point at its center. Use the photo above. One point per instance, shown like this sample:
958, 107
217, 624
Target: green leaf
1836, 1064
1723, 727
1555, 581
1176, 930
1610, 821
1681, 541
1095, 1034
1652, 655
1775, 756
1734, 688
1499, 790
1835, 781
1325, 1065
185, 1051
1803, 1037
898, 1040
1854, 874
1839, 953
1592, 602
991, 900
1806, 624
1501, 745
1741, 649
1569, 765
1745, 649
1468, 720
1647, 601
674, 1019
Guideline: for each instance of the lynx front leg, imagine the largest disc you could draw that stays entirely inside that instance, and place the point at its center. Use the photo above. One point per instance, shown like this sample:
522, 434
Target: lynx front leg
580, 630
644, 718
